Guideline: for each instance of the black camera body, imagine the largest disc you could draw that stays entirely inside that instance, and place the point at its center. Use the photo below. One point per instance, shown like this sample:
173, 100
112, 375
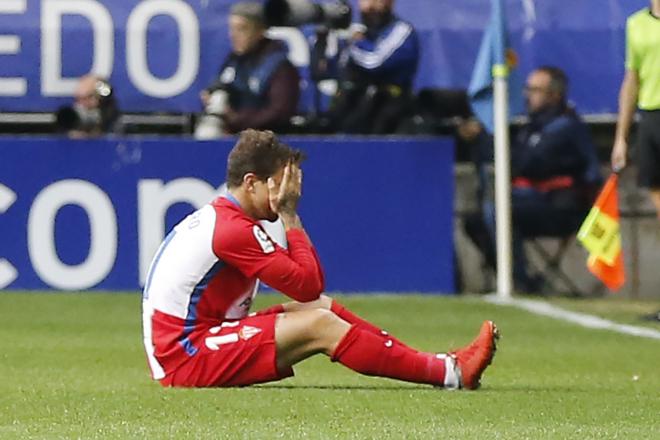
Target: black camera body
93, 121
336, 14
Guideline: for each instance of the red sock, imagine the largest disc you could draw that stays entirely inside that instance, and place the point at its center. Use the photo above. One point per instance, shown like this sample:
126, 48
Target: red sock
277, 308
375, 355
351, 318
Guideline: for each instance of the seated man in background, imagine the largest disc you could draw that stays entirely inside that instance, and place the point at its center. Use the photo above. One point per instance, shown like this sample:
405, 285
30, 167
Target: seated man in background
257, 87
94, 112
376, 72
554, 168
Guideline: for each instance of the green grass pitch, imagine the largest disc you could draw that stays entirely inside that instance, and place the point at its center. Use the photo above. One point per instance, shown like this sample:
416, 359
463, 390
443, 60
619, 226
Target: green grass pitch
72, 366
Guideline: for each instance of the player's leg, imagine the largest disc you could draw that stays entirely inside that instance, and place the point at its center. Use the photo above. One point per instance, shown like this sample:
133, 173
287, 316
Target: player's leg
327, 303
301, 334
648, 156
655, 198
376, 355
652, 168
324, 302
348, 316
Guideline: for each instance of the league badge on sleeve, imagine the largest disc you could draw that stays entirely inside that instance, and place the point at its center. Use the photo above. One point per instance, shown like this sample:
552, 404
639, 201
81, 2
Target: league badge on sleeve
264, 241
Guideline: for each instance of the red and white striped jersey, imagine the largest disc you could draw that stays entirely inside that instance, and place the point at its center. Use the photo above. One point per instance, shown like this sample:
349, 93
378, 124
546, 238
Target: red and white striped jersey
207, 270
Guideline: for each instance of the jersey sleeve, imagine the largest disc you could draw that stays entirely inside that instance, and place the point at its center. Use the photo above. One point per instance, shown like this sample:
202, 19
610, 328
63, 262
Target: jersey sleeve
632, 52
296, 272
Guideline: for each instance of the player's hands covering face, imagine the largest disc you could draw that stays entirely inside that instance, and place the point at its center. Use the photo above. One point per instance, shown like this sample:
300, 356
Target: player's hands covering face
284, 198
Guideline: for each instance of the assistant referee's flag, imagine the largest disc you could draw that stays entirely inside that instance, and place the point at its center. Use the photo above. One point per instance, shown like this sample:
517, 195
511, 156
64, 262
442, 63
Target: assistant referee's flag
600, 234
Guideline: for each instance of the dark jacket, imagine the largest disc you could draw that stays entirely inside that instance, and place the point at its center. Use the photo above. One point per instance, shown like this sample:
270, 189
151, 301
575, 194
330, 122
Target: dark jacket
385, 56
554, 153
263, 88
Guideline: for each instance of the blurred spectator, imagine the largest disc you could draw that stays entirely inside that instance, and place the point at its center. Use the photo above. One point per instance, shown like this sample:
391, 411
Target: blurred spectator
257, 86
94, 111
554, 168
435, 112
376, 72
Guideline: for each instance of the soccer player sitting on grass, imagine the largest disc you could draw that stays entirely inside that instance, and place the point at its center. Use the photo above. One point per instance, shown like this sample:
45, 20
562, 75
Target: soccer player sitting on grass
203, 279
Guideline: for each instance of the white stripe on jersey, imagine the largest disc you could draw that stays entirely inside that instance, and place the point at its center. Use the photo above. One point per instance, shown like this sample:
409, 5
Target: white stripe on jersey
172, 279
384, 49
156, 369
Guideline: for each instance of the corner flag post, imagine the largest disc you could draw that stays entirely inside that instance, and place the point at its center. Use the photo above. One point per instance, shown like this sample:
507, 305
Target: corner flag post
490, 102
502, 181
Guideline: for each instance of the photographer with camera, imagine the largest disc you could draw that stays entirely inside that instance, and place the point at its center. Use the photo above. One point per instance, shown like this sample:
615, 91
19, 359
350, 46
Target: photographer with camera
257, 86
376, 71
94, 112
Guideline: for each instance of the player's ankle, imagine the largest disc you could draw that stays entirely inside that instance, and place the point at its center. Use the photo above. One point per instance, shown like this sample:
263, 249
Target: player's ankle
452, 379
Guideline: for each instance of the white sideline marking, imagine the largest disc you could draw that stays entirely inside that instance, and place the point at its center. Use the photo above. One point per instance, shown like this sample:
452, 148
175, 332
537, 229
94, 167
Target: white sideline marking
583, 319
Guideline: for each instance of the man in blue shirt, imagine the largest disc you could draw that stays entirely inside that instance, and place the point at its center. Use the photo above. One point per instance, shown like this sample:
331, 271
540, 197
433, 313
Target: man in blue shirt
376, 72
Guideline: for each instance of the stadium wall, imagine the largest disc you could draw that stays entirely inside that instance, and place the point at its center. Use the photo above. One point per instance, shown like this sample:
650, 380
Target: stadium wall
90, 214
160, 54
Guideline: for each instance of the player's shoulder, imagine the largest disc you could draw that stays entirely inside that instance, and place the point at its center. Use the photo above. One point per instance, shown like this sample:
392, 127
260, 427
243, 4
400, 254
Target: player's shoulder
202, 219
229, 216
227, 208
240, 237
234, 230
640, 16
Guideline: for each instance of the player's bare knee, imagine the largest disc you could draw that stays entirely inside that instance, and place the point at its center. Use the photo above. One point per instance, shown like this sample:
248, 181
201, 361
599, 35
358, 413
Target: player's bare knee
329, 329
321, 318
325, 302
310, 331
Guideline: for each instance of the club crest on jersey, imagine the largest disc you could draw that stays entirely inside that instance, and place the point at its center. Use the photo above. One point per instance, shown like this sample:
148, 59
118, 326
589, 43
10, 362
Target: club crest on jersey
264, 241
246, 332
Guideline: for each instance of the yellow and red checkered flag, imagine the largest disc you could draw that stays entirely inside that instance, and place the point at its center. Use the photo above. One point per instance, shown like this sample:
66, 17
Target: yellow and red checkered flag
600, 234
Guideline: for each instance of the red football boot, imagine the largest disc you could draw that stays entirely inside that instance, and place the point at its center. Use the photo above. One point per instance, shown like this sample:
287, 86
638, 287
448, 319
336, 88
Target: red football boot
473, 359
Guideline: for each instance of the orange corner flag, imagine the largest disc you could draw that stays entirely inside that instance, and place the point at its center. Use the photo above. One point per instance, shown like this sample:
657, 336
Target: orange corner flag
600, 234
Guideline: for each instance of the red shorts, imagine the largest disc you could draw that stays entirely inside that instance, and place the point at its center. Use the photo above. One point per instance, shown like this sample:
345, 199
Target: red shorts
233, 353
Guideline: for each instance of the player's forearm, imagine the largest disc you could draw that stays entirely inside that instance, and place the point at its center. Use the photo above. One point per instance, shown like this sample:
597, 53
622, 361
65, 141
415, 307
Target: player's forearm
311, 282
297, 273
292, 222
627, 105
